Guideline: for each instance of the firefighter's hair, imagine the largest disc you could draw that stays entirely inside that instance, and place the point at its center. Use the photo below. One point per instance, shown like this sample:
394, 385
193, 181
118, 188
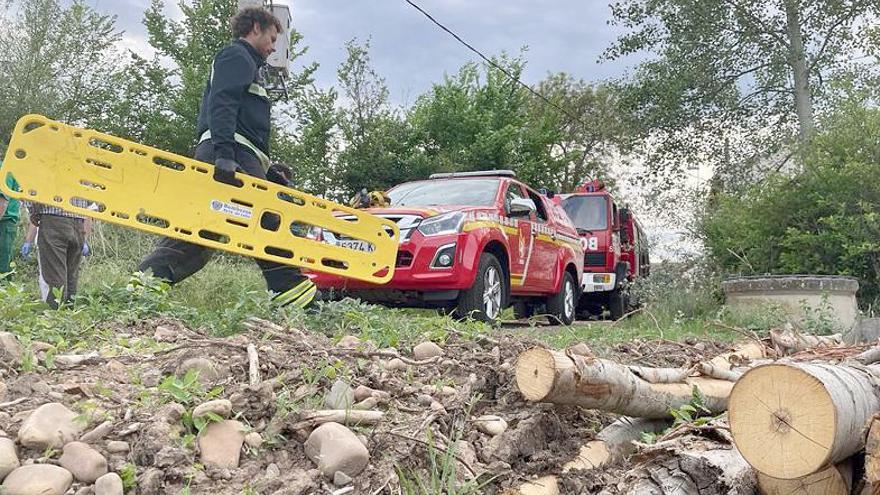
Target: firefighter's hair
243, 22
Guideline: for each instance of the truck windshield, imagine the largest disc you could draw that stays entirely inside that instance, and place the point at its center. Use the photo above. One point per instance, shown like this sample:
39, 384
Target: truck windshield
469, 192
587, 212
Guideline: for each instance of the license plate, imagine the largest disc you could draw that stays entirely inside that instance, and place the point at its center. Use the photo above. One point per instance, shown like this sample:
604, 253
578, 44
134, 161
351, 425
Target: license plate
356, 245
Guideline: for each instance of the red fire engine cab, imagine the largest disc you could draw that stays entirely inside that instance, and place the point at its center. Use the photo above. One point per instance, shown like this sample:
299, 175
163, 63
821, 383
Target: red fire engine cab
615, 248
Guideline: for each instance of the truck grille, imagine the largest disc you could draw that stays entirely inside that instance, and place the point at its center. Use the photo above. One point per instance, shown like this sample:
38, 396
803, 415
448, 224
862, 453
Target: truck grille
594, 259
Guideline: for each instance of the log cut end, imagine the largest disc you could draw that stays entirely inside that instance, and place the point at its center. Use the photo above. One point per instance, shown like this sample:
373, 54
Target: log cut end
829, 481
782, 420
536, 374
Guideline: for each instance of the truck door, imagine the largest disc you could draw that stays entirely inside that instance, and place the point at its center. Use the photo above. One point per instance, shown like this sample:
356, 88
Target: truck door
519, 245
546, 252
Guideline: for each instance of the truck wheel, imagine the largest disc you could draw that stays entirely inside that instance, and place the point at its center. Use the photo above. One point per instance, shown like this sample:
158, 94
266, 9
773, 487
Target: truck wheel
617, 304
484, 300
561, 306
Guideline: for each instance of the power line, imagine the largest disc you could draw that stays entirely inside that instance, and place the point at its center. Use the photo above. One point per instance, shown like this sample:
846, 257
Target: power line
494, 64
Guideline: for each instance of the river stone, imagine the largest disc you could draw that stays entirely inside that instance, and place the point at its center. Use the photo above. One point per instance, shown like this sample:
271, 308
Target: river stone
8, 457
86, 463
427, 350
333, 447
491, 424
395, 365
220, 444
207, 370
220, 407
37, 479
109, 484
118, 447
50, 425
253, 440
10, 349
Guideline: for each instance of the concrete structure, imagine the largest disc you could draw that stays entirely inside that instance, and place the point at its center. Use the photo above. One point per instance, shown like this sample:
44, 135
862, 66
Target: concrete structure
823, 296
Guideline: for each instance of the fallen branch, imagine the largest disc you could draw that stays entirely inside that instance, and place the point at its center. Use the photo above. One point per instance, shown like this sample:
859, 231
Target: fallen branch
253, 365
311, 419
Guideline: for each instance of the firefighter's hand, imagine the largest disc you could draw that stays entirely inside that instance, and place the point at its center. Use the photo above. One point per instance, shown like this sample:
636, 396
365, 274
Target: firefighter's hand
279, 174
26, 250
86, 250
224, 171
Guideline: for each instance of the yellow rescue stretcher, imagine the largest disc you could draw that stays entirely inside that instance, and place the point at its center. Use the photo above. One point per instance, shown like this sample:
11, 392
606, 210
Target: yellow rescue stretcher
133, 185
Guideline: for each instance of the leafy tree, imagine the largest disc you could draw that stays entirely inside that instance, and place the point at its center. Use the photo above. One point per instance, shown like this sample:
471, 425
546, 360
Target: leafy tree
823, 220
310, 146
49, 57
731, 72
470, 123
562, 149
379, 144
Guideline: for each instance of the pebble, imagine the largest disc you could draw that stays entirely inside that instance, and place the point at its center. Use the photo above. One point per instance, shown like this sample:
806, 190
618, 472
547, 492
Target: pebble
253, 440
341, 396
118, 447
10, 348
8, 457
427, 350
220, 444
165, 333
220, 407
109, 484
37, 479
85, 463
207, 370
491, 424
98, 433
273, 471
395, 365
348, 341
333, 447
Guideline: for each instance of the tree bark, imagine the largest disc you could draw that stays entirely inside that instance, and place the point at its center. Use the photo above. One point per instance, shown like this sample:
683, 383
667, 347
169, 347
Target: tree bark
872, 456
834, 480
791, 420
544, 375
612, 444
797, 60
702, 468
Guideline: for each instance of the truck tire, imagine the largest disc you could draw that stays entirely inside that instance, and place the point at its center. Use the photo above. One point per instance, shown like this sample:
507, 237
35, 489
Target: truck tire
618, 303
485, 299
561, 306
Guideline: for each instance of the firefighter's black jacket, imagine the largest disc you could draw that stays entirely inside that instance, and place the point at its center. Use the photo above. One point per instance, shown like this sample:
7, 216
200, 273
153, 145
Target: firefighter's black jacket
235, 101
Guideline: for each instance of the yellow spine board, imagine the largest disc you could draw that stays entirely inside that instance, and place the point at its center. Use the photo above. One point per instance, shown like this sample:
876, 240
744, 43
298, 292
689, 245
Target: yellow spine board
148, 189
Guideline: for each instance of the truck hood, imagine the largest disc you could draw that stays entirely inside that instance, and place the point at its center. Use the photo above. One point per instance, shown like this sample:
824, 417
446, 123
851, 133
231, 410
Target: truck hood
422, 212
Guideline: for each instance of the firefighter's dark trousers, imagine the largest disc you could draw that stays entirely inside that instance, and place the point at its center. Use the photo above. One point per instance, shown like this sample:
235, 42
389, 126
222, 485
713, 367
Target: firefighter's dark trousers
174, 260
59, 254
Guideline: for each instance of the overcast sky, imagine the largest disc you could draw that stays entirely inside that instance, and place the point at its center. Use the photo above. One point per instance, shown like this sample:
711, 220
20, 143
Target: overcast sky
410, 52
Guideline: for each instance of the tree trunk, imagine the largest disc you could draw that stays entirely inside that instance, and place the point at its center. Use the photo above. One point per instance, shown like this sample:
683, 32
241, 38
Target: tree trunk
834, 480
797, 60
612, 444
703, 468
791, 420
872, 457
544, 375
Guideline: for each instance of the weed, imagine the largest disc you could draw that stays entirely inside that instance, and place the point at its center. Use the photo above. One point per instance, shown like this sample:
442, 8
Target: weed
128, 473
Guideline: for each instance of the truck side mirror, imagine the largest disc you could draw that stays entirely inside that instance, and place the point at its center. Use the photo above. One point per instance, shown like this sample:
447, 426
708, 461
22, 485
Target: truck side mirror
522, 207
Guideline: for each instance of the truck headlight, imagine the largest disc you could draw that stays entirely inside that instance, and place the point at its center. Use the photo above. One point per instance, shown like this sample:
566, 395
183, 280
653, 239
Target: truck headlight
448, 223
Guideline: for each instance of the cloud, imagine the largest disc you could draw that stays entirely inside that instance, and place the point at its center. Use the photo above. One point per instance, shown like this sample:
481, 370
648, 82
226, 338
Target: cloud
411, 53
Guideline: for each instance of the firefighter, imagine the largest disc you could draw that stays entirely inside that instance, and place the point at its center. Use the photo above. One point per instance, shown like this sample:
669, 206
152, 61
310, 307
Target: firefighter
233, 134
373, 199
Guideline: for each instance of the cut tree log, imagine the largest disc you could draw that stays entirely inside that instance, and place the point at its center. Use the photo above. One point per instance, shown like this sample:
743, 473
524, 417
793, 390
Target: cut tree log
544, 375
872, 456
791, 420
833, 480
612, 444
697, 466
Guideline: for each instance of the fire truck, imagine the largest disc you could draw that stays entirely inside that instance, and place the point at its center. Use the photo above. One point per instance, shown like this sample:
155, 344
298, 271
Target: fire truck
475, 243
615, 248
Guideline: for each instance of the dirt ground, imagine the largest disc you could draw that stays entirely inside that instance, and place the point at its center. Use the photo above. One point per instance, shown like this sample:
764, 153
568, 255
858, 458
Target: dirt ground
129, 382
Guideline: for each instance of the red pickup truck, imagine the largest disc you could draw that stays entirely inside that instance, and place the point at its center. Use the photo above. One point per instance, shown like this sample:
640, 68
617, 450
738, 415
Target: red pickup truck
475, 243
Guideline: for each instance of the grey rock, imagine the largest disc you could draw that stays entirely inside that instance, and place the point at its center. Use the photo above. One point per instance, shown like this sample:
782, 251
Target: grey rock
427, 350
333, 447
85, 463
220, 444
10, 349
207, 370
98, 433
8, 457
109, 484
341, 479
50, 425
118, 447
37, 479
